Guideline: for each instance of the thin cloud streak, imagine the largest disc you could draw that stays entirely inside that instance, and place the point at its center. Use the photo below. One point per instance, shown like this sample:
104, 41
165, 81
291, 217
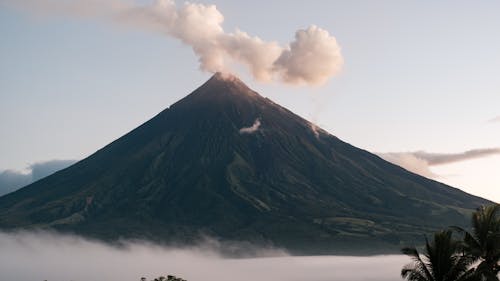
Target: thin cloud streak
310, 59
419, 162
446, 158
410, 162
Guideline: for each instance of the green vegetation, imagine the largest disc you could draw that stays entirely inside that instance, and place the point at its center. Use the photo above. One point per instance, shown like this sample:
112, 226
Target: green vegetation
474, 257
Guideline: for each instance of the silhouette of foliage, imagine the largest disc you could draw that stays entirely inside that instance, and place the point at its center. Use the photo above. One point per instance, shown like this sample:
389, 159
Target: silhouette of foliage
482, 244
163, 278
442, 261
476, 257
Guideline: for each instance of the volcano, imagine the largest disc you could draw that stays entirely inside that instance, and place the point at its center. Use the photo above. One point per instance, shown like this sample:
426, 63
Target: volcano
227, 163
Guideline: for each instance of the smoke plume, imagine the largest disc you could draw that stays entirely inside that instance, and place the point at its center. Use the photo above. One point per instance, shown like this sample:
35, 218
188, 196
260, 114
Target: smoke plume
315, 129
251, 129
311, 58
419, 162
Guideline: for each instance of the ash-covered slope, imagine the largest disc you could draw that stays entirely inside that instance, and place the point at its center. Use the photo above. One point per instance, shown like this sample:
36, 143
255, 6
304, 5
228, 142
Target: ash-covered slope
190, 172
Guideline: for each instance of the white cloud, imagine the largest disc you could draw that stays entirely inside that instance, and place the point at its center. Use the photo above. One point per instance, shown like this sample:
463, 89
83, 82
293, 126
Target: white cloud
419, 162
445, 158
312, 58
410, 162
252, 129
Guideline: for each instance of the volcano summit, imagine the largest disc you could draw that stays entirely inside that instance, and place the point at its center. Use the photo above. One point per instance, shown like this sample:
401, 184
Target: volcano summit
227, 163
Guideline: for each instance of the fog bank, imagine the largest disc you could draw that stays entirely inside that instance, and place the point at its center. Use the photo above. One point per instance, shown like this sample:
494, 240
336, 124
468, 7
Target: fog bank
53, 257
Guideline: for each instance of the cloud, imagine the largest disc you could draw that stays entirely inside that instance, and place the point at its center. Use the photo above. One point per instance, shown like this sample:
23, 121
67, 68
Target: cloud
49, 256
251, 129
42, 169
446, 158
11, 180
496, 119
419, 162
312, 58
410, 162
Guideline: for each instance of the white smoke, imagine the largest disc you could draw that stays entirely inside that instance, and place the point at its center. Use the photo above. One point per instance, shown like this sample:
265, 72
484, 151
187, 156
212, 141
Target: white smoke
44, 256
419, 162
251, 129
312, 58
314, 129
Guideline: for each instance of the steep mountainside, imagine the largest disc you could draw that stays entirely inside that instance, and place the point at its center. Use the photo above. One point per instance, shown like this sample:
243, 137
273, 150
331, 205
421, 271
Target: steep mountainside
190, 172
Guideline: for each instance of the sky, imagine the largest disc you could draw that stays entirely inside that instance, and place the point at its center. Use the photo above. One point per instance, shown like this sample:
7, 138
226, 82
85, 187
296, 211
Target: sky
416, 80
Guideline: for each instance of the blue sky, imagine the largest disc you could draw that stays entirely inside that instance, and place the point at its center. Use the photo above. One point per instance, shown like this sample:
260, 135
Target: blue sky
417, 75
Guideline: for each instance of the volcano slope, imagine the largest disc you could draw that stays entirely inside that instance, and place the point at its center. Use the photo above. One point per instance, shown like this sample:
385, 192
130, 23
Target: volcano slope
191, 172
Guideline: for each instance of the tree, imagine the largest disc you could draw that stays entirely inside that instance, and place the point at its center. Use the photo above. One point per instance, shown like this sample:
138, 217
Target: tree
441, 262
173, 278
483, 243
162, 278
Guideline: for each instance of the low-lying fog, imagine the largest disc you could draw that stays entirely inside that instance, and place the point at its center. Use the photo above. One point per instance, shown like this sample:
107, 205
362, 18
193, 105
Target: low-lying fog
44, 256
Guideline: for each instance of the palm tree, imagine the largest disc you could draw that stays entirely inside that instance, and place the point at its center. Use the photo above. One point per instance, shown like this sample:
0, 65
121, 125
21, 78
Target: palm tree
441, 262
483, 243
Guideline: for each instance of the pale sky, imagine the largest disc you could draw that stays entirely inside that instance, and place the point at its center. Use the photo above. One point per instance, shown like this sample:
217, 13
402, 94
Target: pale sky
417, 76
